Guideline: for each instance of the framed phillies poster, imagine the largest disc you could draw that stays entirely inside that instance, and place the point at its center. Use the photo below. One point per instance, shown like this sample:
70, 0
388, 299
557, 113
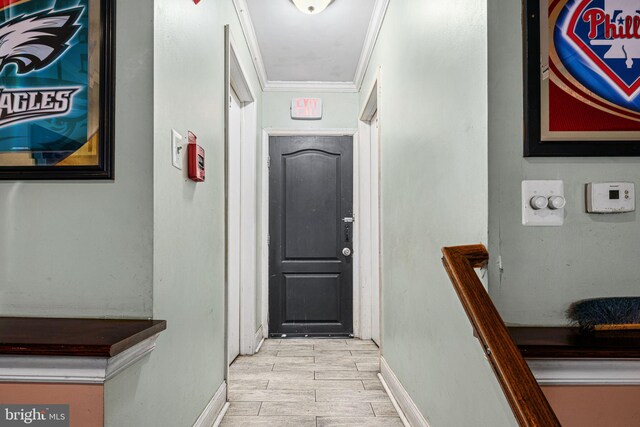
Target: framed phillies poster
582, 78
56, 89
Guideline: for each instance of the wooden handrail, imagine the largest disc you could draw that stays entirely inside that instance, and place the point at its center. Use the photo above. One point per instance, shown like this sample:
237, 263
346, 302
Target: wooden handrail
529, 405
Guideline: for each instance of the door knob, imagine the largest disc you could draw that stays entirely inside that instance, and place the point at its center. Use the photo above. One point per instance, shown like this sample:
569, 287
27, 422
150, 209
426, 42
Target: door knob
346, 252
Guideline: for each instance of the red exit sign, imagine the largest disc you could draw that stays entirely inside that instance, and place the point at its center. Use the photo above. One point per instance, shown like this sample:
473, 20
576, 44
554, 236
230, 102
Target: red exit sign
306, 108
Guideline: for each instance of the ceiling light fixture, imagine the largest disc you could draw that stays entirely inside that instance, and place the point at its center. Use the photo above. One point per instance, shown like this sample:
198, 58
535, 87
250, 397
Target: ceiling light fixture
312, 7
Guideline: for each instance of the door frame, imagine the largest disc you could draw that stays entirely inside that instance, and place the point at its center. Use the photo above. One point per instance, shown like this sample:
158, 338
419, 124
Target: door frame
236, 81
371, 268
358, 290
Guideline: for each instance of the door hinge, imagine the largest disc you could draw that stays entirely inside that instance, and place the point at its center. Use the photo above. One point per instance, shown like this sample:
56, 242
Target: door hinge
269, 162
268, 240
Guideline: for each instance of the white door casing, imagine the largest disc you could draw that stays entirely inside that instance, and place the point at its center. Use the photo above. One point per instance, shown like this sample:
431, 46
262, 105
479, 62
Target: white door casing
233, 224
369, 215
375, 230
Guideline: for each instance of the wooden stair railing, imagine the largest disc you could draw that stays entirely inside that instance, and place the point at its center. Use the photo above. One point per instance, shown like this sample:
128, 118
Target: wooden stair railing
530, 406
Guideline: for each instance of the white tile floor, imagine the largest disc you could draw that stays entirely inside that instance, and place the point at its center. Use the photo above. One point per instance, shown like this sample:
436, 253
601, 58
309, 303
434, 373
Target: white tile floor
309, 383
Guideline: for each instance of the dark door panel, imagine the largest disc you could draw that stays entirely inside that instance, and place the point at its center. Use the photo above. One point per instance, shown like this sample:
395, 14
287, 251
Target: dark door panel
311, 191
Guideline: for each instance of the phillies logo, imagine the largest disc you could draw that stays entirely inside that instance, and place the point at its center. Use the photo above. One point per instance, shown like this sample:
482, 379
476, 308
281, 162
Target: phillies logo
606, 34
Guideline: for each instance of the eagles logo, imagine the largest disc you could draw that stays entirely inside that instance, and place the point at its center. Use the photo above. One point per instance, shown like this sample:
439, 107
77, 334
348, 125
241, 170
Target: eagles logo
35, 41
32, 43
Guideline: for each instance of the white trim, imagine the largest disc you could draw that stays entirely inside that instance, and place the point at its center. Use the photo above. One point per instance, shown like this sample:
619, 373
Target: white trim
264, 212
371, 106
221, 415
239, 83
585, 371
252, 42
264, 220
400, 394
275, 86
259, 345
369, 212
375, 25
71, 369
215, 409
394, 402
257, 339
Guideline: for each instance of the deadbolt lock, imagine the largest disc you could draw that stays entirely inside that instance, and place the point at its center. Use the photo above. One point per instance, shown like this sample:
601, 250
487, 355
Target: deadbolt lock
346, 252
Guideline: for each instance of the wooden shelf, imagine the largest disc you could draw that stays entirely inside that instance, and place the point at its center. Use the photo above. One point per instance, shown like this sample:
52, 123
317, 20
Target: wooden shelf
73, 337
567, 342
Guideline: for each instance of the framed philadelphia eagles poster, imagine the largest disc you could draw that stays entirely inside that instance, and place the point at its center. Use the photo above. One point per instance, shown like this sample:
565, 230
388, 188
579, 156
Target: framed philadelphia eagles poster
581, 77
56, 89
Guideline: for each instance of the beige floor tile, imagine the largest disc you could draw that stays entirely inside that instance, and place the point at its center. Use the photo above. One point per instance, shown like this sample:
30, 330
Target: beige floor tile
270, 346
372, 385
243, 367
316, 385
257, 360
328, 409
351, 396
248, 384
361, 343
329, 341
313, 353
368, 366
327, 366
267, 352
365, 353
331, 346
346, 375
270, 375
295, 344
358, 422
268, 422
243, 408
272, 396
384, 409
321, 358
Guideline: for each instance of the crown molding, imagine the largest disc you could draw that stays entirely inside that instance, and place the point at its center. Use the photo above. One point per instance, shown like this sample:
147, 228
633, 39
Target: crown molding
252, 41
375, 24
273, 86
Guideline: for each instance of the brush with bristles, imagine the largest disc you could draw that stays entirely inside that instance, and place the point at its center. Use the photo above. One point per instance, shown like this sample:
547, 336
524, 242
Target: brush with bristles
606, 314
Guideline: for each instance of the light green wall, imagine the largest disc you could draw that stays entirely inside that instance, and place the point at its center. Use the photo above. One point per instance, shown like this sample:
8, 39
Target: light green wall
433, 118
84, 249
545, 269
173, 385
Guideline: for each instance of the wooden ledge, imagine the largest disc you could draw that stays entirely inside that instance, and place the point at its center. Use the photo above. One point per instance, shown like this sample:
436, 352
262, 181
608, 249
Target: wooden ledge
570, 343
29, 336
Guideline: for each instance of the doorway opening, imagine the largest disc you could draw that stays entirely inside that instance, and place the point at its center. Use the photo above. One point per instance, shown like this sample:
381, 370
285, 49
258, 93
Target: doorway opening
241, 206
369, 214
362, 232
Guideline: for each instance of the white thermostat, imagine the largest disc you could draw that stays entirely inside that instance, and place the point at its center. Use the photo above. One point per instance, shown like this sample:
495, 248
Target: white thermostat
611, 197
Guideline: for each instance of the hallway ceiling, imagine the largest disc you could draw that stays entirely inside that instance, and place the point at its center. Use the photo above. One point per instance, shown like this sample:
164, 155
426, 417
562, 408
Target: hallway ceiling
294, 50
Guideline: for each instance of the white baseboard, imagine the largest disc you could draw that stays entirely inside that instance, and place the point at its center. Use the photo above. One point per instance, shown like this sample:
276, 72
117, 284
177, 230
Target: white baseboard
257, 341
218, 402
409, 409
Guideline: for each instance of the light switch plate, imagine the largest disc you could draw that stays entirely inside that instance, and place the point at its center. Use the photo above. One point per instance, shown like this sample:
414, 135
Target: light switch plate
176, 149
545, 217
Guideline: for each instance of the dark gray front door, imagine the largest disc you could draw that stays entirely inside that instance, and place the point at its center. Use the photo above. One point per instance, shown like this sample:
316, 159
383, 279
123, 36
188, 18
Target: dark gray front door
311, 194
